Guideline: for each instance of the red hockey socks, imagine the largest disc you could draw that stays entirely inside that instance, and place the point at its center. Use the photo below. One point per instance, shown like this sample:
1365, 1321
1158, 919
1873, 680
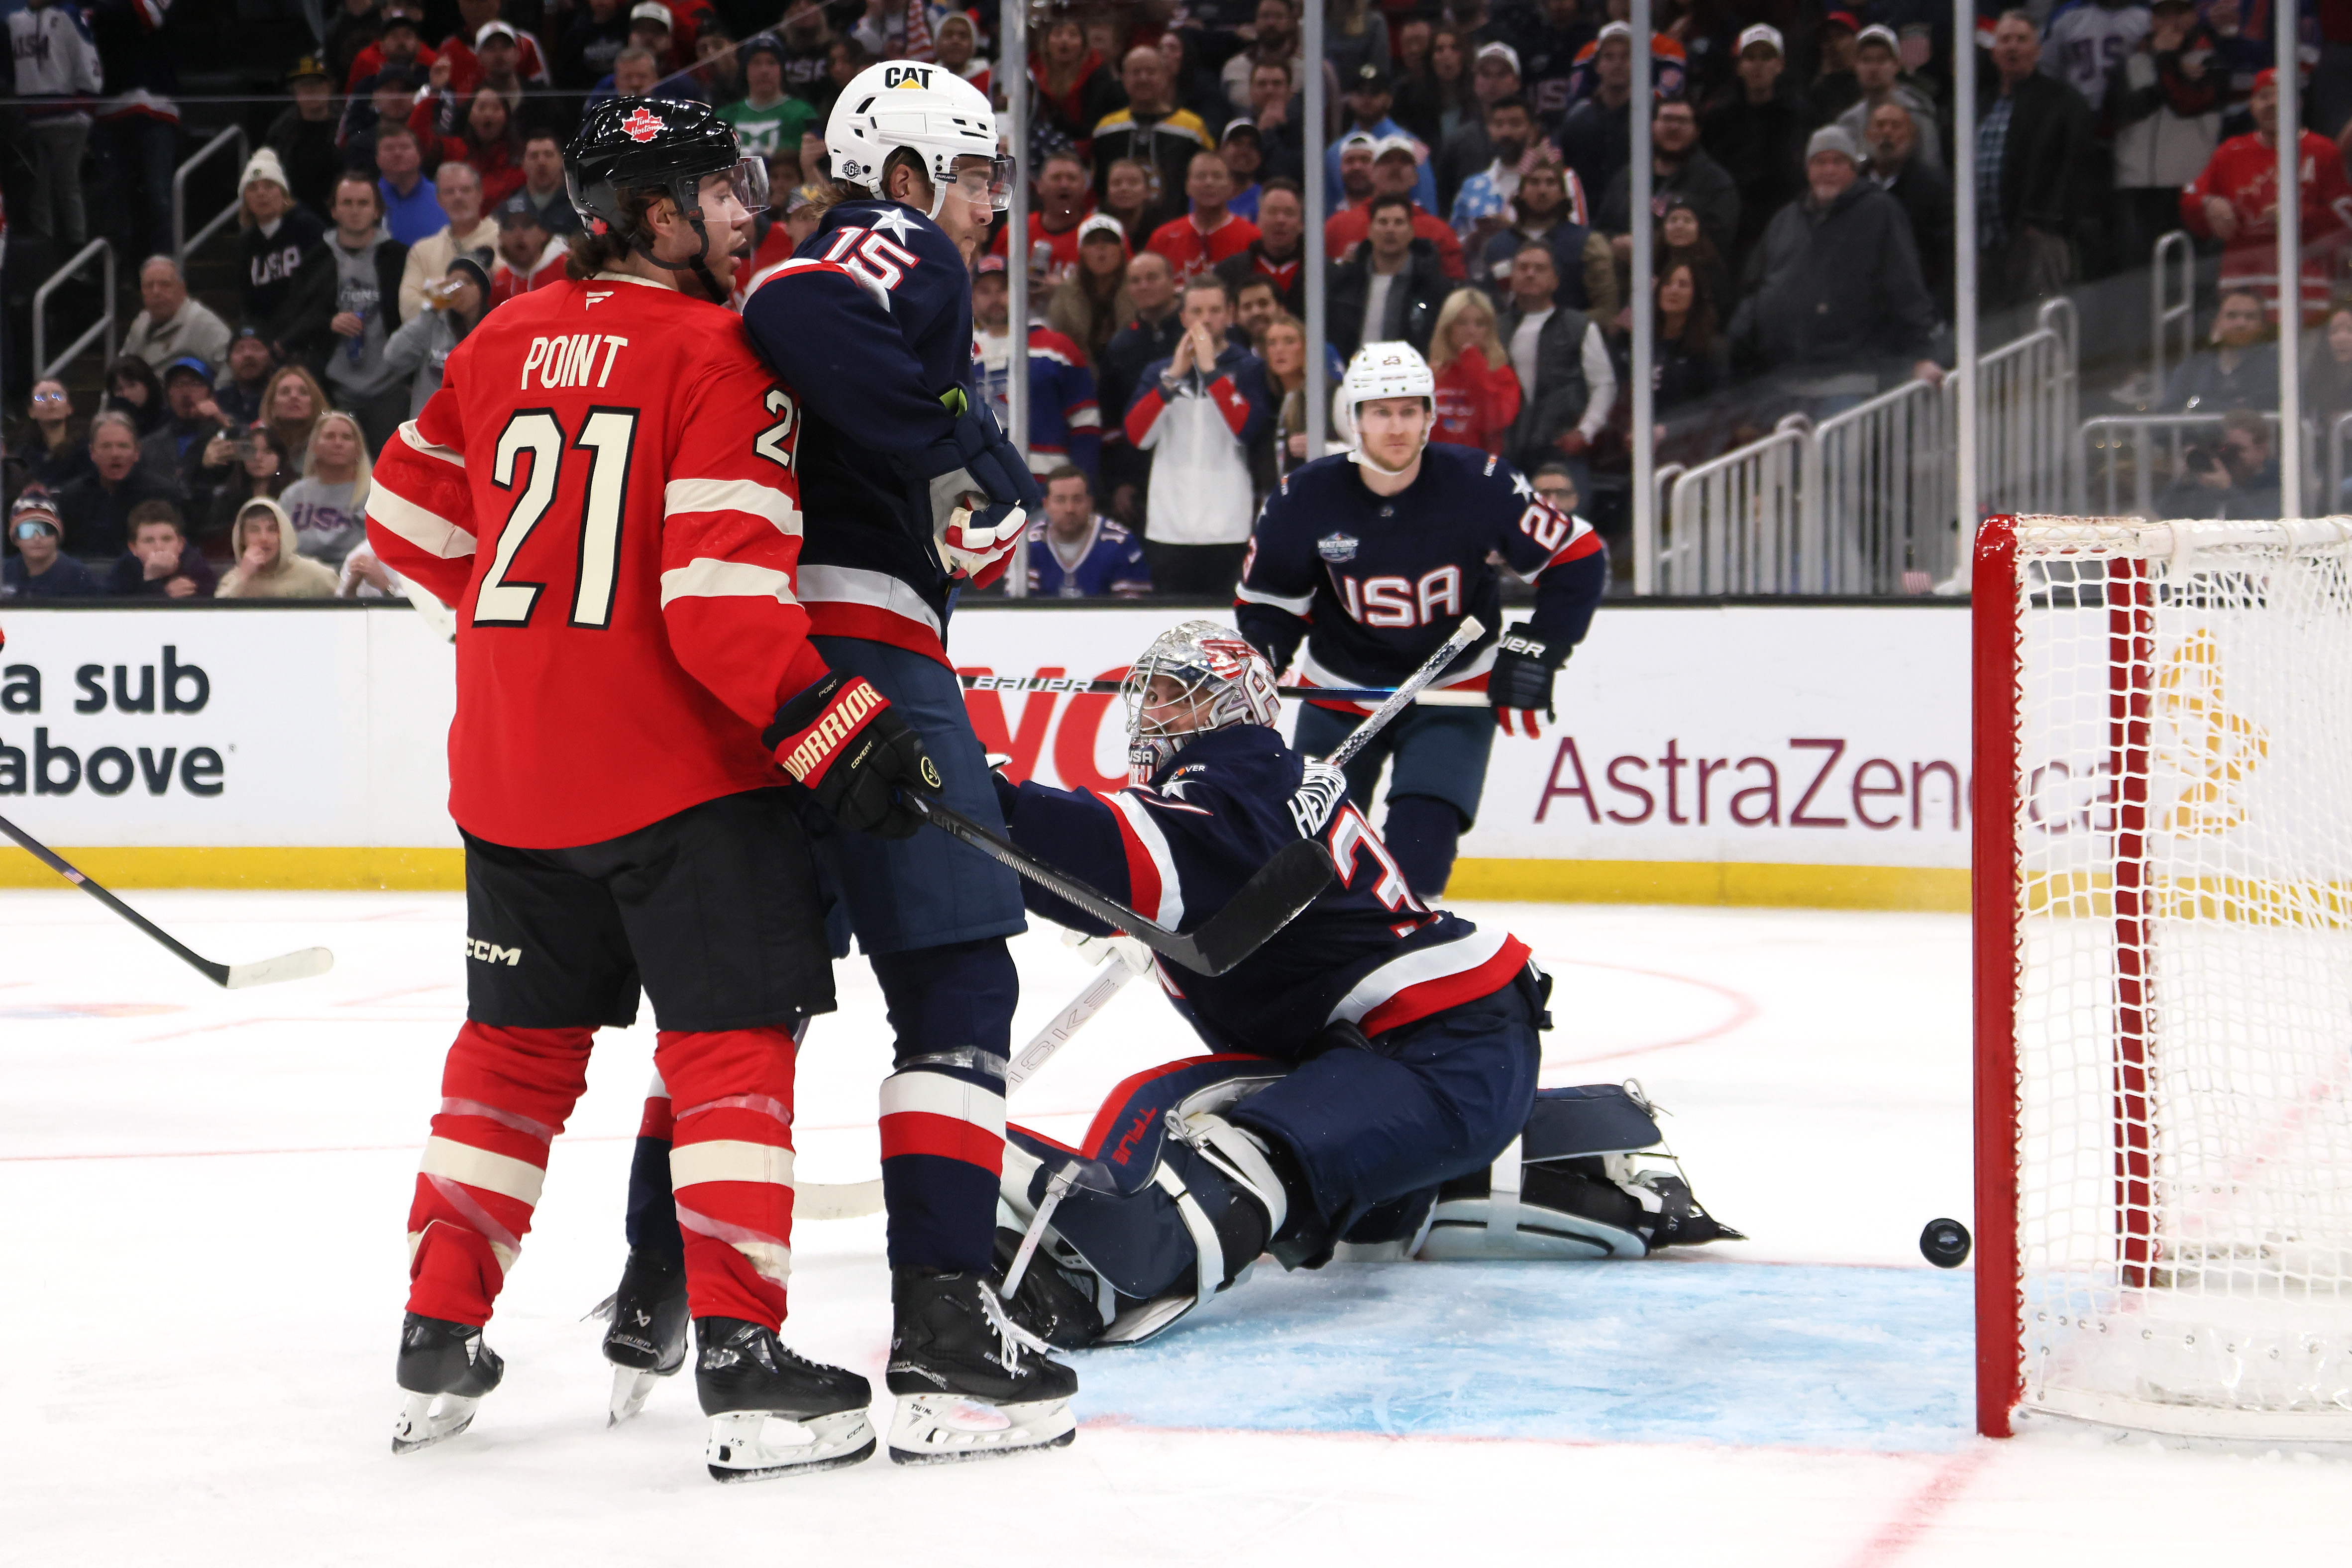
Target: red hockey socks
731, 1167
504, 1095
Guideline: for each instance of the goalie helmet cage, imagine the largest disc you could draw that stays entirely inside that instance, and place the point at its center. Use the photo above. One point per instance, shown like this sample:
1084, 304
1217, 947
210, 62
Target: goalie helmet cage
2163, 928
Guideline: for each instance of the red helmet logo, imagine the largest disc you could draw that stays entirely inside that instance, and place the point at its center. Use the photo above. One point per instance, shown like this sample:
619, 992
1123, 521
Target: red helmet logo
642, 125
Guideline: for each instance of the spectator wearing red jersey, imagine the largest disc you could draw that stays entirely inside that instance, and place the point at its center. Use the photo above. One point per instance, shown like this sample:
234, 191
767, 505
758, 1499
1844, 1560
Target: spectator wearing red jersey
528, 257
1198, 241
1394, 171
1074, 88
1478, 389
1065, 201
489, 50
1278, 254
2235, 200
486, 139
401, 43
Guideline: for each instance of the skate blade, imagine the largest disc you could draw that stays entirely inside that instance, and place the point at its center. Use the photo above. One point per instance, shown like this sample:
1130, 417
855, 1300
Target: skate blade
425, 1419
946, 1429
758, 1445
630, 1390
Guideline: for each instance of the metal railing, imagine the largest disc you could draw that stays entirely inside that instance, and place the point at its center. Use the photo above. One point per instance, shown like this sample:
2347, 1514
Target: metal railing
1866, 501
2120, 444
181, 244
45, 367
1731, 523
1882, 471
2026, 400
2174, 256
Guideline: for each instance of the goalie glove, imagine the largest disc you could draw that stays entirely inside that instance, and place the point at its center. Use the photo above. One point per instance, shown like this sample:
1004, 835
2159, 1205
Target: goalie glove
842, 742
1520, 683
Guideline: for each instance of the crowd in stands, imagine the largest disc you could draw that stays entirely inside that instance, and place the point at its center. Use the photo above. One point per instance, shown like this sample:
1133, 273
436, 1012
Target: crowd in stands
1475, 176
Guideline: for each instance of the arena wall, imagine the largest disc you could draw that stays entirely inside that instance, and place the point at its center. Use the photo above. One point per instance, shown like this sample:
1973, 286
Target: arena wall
1800, 754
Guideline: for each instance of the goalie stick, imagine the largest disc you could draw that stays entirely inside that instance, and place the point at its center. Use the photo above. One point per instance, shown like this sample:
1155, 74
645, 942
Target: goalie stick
1017, 685
296, 966
1122, 964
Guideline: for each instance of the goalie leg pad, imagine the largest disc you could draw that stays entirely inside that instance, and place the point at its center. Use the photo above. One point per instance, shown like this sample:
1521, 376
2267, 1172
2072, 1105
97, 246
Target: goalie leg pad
1589, 1177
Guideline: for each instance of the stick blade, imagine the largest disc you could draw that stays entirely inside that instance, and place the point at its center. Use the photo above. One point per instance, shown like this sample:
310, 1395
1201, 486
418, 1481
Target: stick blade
1292, 880
299, 966
836, 1200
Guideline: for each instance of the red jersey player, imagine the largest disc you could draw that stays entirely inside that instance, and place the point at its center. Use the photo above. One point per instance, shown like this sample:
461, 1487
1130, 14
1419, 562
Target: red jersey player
604, 487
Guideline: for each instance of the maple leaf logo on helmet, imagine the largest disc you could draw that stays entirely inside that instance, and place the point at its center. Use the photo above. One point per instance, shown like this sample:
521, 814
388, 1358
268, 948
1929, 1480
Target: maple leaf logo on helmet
643, 125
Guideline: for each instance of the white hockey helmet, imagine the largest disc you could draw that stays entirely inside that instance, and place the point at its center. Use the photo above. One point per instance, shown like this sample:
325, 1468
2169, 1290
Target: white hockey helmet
925, 109
1379, 370
1221, 680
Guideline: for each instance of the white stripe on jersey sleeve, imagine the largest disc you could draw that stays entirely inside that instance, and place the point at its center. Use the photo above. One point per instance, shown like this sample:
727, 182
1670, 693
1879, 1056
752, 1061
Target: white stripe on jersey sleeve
427, 530
1170, 912
706, 578
732, 495
416, 443
1298, 606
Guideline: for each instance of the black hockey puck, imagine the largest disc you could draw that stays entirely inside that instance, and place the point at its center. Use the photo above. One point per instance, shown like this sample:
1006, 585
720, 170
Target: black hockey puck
1945, 1243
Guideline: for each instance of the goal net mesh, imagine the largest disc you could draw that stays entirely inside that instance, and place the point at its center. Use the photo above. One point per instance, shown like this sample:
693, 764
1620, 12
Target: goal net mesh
2183, 935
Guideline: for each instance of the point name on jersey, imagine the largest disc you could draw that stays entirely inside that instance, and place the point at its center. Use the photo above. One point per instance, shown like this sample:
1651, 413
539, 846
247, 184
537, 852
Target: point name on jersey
570, 361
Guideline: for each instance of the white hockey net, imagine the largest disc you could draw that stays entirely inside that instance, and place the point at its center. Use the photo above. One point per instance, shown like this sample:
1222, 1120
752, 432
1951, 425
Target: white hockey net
2183, 935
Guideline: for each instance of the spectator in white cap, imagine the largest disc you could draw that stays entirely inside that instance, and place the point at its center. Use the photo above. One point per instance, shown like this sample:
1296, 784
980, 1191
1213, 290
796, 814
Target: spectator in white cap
1367, 101
1393, 172
1597, 137
285, 257
1093, 302
1494, 77
1836, 303
1879, 68
1757, 135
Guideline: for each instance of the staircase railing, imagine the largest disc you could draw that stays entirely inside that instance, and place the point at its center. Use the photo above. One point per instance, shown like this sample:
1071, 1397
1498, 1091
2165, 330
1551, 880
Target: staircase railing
43, 367
182, 244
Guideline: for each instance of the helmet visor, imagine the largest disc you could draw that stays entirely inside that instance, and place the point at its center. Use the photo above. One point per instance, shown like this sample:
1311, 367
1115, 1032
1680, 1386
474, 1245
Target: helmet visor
991, 182
749, 179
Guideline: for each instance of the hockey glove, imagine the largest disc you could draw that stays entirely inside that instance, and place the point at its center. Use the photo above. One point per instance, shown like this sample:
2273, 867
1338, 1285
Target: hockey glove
841, 741
977, 541
975, 459
1520, 683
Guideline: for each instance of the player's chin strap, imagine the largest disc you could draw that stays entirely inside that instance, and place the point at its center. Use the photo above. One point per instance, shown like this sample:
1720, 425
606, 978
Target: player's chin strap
698, 264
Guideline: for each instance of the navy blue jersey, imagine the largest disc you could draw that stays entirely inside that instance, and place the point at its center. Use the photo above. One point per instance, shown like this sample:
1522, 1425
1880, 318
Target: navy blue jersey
1376, 584
1112, 564
1366, 950
870, 322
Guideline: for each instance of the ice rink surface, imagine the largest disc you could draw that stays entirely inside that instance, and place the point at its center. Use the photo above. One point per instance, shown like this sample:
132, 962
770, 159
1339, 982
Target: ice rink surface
204, 1195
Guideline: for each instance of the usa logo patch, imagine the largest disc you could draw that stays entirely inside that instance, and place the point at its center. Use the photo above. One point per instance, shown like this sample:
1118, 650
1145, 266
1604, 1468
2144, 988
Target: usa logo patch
643, 125
1337, 548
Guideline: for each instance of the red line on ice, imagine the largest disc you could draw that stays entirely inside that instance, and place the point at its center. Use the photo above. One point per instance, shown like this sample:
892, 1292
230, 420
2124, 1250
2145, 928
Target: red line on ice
1744, 1010
1924, 1507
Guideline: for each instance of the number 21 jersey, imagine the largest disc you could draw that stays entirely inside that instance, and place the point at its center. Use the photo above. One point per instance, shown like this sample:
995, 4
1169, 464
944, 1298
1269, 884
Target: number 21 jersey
604, 487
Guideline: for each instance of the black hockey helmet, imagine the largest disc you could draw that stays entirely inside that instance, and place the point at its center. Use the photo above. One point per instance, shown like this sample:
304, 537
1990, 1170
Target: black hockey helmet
633, 143
628, 143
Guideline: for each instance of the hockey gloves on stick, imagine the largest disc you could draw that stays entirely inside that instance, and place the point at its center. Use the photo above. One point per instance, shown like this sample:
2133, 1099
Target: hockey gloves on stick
983, 494
841, 741
1520, 683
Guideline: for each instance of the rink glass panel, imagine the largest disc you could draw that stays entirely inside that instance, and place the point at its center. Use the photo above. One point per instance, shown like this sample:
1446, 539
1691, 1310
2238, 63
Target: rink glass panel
2183, 937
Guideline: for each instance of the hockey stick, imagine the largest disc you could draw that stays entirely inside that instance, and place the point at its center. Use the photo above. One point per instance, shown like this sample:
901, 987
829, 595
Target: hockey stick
1020, 683
297, 966
1266, 904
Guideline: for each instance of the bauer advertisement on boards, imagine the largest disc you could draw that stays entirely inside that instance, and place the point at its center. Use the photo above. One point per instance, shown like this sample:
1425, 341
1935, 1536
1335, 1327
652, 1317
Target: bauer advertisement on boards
1797, 736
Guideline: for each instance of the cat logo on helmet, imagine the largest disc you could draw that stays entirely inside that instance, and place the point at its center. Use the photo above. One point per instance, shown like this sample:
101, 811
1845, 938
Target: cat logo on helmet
643, 126
906, 75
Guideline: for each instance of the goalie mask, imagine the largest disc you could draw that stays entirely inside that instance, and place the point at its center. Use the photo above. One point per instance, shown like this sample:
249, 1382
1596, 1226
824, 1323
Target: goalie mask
1385, 370
927, 111
1194, 678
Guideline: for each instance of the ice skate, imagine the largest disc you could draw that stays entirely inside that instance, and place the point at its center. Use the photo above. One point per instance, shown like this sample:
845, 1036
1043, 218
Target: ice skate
445, 1369
646, 1339
971, 1384
774, 1413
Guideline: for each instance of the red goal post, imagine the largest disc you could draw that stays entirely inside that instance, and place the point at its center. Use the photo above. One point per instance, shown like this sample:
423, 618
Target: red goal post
2163, 969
